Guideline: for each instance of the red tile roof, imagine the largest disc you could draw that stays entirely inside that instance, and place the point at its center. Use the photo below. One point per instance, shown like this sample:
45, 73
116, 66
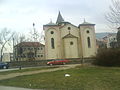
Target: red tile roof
29, 44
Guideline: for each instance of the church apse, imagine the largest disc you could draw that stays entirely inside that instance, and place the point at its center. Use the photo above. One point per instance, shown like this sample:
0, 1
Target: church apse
65, 40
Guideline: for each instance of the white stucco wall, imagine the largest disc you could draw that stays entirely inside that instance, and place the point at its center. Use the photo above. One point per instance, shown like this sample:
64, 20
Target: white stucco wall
50, 52
74, 30
71, 50
88, 51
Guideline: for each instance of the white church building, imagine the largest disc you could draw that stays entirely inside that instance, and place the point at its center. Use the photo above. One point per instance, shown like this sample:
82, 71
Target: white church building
65, 40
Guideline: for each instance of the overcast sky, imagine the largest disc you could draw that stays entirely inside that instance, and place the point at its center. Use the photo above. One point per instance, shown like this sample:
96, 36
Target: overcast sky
19, 15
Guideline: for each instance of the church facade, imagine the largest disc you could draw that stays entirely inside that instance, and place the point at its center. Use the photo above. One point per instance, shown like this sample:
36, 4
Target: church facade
65, 40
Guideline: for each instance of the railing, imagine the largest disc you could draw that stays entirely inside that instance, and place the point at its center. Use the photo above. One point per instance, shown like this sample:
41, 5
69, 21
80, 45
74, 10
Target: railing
44, 62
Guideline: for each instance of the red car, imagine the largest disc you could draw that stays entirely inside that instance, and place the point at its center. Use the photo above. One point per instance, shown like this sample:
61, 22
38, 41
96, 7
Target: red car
57, 62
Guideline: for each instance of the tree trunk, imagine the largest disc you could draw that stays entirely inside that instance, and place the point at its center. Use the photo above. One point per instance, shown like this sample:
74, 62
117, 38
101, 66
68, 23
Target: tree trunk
2, 52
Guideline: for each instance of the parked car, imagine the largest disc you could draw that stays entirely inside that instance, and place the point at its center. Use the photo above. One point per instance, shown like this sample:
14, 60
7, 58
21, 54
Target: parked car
4, 65
58, 62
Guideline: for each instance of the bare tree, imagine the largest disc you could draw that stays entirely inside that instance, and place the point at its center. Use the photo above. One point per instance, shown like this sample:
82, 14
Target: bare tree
17, 39
42, 37
35, 36
113, 17
5, 37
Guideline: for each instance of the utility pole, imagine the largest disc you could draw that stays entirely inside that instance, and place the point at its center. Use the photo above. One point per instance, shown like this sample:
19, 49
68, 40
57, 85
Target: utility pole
13, 51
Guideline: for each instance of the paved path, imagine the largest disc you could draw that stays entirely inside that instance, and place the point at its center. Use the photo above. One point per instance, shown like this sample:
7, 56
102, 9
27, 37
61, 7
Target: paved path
3, 70
15, 88
12, 75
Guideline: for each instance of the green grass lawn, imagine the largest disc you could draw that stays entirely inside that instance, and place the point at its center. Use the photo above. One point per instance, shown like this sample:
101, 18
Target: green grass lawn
82, 78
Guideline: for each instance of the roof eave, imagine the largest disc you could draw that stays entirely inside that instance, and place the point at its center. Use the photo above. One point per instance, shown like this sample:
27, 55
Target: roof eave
49, 25
86, 25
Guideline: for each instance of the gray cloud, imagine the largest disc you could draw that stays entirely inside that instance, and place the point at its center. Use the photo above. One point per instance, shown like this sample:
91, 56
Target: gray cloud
72, 10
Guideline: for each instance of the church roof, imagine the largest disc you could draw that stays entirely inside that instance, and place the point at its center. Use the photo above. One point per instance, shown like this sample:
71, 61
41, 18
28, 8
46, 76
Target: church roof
50, 24
69, 36
59, 18
30, 44
86, 24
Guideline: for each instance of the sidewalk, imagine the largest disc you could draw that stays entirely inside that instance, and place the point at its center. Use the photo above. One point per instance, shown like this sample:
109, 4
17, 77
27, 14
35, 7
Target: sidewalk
12, 75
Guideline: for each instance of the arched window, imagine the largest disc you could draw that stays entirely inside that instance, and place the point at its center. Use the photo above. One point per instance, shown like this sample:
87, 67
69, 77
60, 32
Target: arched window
89, 43
52, 43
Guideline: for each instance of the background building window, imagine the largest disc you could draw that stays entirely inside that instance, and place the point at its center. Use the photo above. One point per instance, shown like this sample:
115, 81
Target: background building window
31, 48
24, 49
52, 43
28, 48
41, 48
89, 43
41, 55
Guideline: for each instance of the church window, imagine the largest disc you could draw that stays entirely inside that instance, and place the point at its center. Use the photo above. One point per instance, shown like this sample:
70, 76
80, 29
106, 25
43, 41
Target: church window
28, 48
89, 43
52, 32
71, 43
41, 48
69, 28
24, 49
52, 43
41, 55
88, 31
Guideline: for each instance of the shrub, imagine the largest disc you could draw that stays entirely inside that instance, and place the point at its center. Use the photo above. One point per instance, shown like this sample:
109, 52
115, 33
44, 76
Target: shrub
108, 57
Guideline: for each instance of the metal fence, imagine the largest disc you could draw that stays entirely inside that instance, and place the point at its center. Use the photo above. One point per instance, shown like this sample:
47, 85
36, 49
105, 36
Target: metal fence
44, 62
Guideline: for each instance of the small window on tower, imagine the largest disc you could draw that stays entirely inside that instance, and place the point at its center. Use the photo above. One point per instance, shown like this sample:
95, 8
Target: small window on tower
41, 48
88, 31
69, 28
52, 32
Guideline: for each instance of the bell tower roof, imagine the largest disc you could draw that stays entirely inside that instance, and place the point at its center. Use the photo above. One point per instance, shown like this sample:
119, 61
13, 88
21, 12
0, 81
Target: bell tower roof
59, 18
86, 24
